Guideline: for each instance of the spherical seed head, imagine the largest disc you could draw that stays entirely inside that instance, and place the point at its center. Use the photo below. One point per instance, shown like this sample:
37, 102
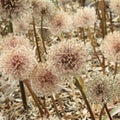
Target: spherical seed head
17, 9
43, 7
22, 26
115, 6
14, 41
17, 63
60, 22
85, 17
100, 88
67, 58
43, 81
111, 46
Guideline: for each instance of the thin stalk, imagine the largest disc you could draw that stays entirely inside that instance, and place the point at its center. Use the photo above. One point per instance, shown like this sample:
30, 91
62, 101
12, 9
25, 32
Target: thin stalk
10, 26
42, 36
55, 106
37, 99
23, 95
111, 22
116, 66
106, 108
102, 64
101, 112
36, 40
61, 106
104, 28
34, 98
85, 99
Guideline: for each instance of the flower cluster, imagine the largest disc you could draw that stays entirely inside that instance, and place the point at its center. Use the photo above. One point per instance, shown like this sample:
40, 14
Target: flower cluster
15, 8
84, 17
67, 58
100, 88
43, 7
111, 46
60, 22
17, 58
43, 81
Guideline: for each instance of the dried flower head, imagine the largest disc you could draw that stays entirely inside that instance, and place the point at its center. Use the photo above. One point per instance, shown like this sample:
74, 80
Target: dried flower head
111, 46
43, 7
67, 58
84, 17
115, 5
12, 42
100, 88
23, 25
17, 63
17, 9
60, 22
43, 81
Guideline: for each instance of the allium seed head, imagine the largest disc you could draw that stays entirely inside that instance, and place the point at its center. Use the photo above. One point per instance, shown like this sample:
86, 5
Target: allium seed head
43, 7
115, 6
60, 22
111, 46
17, 9
85, 17
100, 88
67, 58
12, 42
43, 81
17, 63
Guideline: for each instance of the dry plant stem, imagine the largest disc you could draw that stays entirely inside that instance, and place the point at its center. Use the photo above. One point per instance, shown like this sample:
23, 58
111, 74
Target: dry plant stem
106, 108
42, 36
34, 98
111, 22
73, 91
36, 40
116, 66
97, 9
101, 112
38, 100
102, 64
23, 95
85, 99
61, 106
104, 28
55, 106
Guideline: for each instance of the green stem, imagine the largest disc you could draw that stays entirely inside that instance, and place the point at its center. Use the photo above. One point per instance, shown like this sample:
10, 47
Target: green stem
10, 26
85, 98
